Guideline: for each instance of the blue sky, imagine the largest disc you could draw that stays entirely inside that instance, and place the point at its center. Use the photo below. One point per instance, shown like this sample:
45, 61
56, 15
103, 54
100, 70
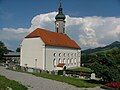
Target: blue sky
18, 13
15, 14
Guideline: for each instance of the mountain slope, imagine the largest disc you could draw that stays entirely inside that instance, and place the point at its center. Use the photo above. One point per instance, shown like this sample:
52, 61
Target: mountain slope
90, 55
115, 44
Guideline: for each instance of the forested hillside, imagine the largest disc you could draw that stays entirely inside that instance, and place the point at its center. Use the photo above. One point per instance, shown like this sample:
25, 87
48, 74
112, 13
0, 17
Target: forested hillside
89, 56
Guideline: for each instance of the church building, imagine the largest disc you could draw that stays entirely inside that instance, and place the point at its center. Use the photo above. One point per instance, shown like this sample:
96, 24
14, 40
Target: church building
47, 50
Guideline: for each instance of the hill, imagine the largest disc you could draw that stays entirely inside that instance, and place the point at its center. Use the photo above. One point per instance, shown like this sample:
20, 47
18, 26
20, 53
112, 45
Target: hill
115, 44
90, 55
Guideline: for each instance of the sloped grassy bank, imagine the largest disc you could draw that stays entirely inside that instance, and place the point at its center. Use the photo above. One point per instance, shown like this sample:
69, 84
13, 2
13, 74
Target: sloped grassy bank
72, 81
6, 83
69, 80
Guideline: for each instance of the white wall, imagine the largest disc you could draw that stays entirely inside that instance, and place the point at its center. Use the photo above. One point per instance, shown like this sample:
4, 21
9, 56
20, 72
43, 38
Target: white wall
35, 54
60, 25
70, 54
32, 53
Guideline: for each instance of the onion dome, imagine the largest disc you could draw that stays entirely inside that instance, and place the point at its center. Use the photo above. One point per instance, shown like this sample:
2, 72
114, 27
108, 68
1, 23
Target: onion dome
60, 14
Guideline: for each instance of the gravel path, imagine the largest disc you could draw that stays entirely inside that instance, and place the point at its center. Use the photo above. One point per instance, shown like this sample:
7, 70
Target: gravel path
38, 83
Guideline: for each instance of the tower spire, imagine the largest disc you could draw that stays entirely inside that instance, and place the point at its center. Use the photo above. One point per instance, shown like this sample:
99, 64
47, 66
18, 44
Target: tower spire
60, 7
60, 20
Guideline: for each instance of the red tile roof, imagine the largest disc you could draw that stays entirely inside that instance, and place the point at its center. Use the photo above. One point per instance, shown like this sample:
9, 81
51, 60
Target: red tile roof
53, 38
60, 65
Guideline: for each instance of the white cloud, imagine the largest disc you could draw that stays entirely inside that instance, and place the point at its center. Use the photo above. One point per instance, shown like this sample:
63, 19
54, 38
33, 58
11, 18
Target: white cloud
88, 32
94, 31
12, 34
13, 37
44, 21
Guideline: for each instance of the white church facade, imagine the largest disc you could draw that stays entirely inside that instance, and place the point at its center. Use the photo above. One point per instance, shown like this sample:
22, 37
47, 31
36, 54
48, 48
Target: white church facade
47, 50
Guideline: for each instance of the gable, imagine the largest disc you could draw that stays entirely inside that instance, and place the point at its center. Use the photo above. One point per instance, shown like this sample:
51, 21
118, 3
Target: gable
53, 38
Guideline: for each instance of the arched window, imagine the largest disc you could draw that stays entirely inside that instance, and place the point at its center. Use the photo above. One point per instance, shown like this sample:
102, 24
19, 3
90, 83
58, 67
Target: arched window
72, 54
64, 54
75, 61
54, 54
68, 61
63, 60
68, 54
71, 60
59, 54
54, 63
59, 61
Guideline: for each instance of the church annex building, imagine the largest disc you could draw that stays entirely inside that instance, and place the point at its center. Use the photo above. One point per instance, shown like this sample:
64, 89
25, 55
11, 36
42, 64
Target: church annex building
47, 50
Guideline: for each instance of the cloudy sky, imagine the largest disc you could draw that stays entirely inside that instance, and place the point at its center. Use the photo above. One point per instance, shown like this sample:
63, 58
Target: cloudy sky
91, 23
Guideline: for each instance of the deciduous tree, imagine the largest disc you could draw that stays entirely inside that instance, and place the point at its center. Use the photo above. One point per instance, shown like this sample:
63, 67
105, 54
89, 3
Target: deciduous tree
106, 68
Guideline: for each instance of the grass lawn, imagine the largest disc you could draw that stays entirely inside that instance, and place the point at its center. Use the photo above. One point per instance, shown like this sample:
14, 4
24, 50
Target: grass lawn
4, 83
69, 80
82, 69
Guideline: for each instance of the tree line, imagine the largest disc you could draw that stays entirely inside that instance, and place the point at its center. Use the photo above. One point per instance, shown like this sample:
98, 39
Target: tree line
5, 50
106, 64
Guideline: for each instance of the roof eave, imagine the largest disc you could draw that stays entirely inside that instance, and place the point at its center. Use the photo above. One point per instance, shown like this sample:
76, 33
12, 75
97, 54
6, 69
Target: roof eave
63, 46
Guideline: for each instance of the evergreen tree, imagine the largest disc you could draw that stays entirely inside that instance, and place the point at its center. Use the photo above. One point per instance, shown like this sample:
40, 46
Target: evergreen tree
3, 49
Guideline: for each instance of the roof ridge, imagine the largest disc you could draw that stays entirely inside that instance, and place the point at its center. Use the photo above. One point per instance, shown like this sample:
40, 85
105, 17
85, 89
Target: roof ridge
53, 38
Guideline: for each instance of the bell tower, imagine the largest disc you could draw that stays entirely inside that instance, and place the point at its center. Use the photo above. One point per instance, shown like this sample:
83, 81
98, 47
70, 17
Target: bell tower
60, 21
